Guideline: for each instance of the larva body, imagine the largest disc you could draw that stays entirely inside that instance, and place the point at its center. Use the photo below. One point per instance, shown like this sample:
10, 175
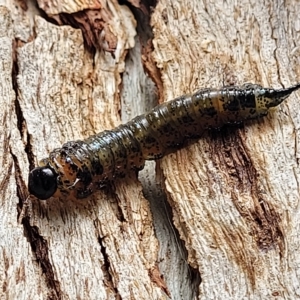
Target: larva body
84, 166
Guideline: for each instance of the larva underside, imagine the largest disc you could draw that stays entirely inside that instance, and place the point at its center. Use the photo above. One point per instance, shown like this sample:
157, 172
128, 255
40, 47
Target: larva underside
84, 166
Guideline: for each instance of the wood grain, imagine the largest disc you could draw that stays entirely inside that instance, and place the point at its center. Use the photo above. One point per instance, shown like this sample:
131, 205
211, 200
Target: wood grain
233, 195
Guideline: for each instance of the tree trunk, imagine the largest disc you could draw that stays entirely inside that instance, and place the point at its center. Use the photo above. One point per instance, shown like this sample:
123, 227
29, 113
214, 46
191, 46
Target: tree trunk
229, 229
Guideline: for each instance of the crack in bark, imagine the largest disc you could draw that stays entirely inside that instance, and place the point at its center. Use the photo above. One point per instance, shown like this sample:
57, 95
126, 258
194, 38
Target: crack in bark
108, 281
38, 244
142, 14
21, 186
40, 247
21, 122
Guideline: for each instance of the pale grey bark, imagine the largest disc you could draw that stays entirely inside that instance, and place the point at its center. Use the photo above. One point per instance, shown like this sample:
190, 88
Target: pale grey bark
234, 194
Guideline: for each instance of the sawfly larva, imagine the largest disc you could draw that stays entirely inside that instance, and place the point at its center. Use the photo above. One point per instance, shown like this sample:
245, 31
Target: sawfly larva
81, 167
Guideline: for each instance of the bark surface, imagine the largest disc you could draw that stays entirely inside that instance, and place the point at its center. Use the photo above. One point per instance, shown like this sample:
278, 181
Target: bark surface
230, 227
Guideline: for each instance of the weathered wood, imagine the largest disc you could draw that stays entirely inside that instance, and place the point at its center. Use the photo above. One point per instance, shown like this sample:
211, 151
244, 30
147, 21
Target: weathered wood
233, 194
101, 248
17, 265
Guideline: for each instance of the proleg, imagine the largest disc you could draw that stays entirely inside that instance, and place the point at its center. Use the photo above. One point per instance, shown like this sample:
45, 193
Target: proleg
81, 167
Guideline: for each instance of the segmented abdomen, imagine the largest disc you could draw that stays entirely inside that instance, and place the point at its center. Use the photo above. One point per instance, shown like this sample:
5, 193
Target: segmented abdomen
86, 165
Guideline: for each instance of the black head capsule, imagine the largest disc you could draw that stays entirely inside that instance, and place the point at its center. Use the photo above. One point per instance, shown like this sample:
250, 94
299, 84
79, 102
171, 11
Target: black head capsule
42, 182
275, 97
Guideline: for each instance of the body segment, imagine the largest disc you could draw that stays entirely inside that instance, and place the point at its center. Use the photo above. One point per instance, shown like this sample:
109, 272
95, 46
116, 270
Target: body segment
81, 167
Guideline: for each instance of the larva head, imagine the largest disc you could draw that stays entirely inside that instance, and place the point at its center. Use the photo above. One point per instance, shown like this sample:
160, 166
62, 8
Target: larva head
270, 98
42, 182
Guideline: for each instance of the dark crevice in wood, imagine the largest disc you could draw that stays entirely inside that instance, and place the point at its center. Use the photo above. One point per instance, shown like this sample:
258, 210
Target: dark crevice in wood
38, 244
21, 122
20, 184
22, 191
90, 39
111, 190
42, 13
40, 248
142, 14
108, 279
91, 24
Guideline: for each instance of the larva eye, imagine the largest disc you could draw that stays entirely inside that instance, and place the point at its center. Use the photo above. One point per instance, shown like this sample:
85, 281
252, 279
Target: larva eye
42, 182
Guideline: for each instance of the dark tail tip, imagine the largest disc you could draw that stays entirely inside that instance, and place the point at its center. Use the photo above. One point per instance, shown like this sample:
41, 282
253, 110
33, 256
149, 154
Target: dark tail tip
286, 92
278, 96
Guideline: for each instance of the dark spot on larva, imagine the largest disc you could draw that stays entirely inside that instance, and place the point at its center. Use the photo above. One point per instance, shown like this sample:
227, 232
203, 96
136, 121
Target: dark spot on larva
84, 175
150, 140
247, 100
209, 111
232, 104
97, 167
73, 167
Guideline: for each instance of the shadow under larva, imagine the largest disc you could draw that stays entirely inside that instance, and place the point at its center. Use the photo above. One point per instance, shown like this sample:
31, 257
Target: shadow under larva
81, 167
